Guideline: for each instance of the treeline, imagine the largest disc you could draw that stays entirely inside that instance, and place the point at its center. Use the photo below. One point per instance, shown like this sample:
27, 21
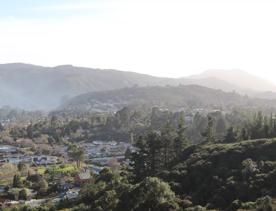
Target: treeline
259, 126
224, 127
53, 128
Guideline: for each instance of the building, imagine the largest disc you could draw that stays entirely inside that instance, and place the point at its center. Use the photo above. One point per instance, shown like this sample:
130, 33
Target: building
83, 177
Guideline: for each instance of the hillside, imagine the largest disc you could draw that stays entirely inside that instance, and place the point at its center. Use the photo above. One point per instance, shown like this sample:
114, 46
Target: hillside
30, 86
36, 87
218, 174
169, 97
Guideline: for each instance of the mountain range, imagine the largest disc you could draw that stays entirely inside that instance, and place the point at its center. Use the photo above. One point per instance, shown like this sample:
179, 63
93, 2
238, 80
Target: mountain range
37, 87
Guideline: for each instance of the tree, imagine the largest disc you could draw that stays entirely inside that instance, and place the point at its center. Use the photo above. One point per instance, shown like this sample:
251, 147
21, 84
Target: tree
209, 132
17, 183
21, 166
22, 195
181, 141
220, 127
128, 153
257, 126
152, 194
76, 153
108, 201
38, 183
109, 189
231, 135
139, 161
43, 186
154, 159
148, 159
168, 135
89, 192
243, 135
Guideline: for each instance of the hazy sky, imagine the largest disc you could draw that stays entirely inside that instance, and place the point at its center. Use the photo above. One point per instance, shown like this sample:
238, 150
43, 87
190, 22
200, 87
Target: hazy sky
158, 37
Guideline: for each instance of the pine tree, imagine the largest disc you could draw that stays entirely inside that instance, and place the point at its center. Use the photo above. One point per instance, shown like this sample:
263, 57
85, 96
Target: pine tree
139, 159
154, 152
181, 141
167, 137
17, 183
209, 132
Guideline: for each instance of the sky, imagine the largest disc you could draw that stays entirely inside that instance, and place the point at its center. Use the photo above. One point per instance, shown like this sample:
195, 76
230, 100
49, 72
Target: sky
170, 38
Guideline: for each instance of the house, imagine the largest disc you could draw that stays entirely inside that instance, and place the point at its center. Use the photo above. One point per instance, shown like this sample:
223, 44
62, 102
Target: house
64, 187
8, 149
45, 160
71, 194
35, 202
96, 169
83, 177
56, 200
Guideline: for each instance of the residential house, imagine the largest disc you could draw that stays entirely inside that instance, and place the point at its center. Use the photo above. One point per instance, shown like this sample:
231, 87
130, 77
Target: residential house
83, 177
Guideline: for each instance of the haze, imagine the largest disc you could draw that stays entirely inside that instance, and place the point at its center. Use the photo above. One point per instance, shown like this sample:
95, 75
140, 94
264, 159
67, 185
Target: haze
158, 37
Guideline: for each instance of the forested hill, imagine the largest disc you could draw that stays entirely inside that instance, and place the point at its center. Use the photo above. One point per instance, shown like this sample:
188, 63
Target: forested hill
170, 97
218, 174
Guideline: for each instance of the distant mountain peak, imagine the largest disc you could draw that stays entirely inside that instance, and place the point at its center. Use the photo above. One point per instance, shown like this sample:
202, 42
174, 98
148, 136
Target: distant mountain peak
227, 70
239, 78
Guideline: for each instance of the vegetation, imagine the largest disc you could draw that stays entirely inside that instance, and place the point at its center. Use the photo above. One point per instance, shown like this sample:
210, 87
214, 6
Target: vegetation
17, 183
156, 151
23, 195
76, 153
207, 163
